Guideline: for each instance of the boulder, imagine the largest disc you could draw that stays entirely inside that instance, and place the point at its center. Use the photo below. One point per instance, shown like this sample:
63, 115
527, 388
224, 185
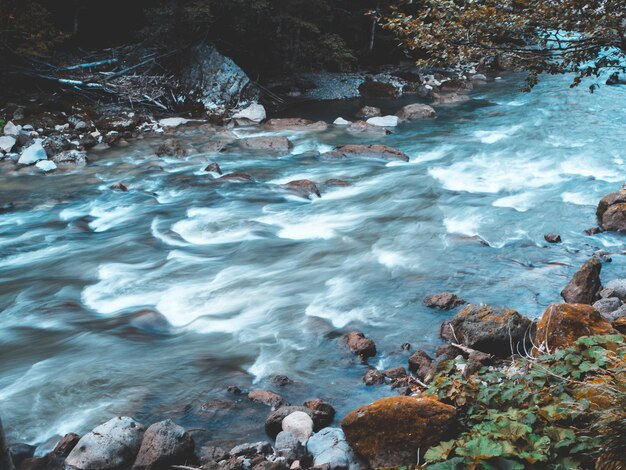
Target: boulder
377, 151
213, 167
303, 188
390, 431
415, 111
46, 165
55, 144
450, 98
215, 82
420, 364
268, 144
383, 121
329, 447
562, 324
611, 211
362, 127
274, 422
299, 424
70, 157
295, 124
288, 445
11, 129
444, 301
325, 411
606, 307
281, 380
367, 112
359, 344
373, 377
164, 444
171, 148
254, 113
33, 154
456, 85
618, 287
493, 330
6, 143
552, 238
341, 122
111, 445
267, 398
584, 287
18, 452
395, 372
373, 89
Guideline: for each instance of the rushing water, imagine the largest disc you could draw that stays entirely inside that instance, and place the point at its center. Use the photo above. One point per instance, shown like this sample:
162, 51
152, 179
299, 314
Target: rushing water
252, 281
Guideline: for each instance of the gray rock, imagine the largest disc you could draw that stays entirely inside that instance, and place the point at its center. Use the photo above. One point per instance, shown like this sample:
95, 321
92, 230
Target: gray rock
164, 444
288, 446
111, 445
367, 112
329, 447
33, 154
416, 111
6, 143
608, 305
250, 449
299, 424
216, 82
70, 157
11, 129
269, 144
619, 288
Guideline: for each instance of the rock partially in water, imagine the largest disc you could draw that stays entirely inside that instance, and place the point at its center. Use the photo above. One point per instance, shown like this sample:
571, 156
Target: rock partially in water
164, 444
173, 122
552, 238
362, 127
213, 167
359, 344
376, 151
324, 412
17, 451
341, 122
266, 144
494, 330
251, 449
395, 372
383, 121
171, 148
444, 301
267, 397
415, 111
274, 422
298, 424
562, 324
584, 287
67, 444
390, 431
450, 98
374, 89
46, 166
119, 187
295, 124
373, 377
330, 447
110, 446
336, 182
367, 112
420, 364
303, 188
456, 85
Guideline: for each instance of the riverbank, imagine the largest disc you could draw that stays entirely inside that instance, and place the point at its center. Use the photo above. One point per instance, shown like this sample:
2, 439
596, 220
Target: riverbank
154, 247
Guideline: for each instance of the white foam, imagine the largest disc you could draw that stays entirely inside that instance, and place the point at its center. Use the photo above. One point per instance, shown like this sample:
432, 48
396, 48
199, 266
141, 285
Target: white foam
588, 166
580, 199
520, 202
297, 226
496, 135
463, 224
339, 305
214, 227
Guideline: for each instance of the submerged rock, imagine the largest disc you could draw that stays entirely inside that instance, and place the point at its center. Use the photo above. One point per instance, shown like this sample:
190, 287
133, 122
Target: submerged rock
611, 212
493, 330
270, 144
359, 344
164, 444
584, 287
267, 397
110, 446
450, 98
303, 188
171, 148
444, 301
390, 431
377, 151
562, 324
415, 111
362, 127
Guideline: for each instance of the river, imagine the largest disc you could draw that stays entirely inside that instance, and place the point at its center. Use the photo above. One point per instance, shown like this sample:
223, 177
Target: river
251, 281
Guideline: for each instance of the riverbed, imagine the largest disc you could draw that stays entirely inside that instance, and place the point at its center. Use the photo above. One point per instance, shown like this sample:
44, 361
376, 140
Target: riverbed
150, 302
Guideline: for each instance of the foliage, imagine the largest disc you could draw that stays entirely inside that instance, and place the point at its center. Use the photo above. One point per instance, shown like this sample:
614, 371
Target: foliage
586, 37
561, 410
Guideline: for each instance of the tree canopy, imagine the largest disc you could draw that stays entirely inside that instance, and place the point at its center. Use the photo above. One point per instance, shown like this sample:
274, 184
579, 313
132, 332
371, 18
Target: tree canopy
586, 37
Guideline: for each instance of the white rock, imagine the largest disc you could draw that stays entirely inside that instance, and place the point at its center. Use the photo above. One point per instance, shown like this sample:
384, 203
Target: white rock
33, 154
255, 113
46, 165
299, 424
111, 445
11, 129
173, 122
383, 121
341, 122
6, 143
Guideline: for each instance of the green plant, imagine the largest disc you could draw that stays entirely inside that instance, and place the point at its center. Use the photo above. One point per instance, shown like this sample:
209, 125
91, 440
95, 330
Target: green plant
554, 411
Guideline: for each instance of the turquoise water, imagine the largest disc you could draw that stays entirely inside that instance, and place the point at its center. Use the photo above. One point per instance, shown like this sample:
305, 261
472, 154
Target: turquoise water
245, 281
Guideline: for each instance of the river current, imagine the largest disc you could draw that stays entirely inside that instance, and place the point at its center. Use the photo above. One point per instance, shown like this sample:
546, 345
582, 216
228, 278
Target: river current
251, 281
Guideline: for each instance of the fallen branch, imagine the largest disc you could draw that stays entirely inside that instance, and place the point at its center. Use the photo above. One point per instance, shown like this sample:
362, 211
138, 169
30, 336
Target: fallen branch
91, 64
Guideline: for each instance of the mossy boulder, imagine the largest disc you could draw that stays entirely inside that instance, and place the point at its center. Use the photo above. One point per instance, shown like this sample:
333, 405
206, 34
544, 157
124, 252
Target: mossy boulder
390, 431
562, 324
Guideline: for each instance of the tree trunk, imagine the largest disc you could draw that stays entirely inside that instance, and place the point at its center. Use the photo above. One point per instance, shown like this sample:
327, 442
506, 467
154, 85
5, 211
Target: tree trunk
373, 32
5, 457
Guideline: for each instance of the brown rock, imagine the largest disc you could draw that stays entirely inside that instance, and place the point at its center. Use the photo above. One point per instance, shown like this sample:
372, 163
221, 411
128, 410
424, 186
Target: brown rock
476, 361
584, 287
267, 398
377, 151
271, 144
420, 364
372, 89
449, 98
117, 123
373, 377
389, 432
360, 345
171, 148
362, 127
416, 111
213, 167
620, 325
562, 324
295, 124
237, 177
336, 182
593, 231
281, 380
65, 445
303, 188
611, 211
119, 187
367, 112
552, 238
164, 444
395, 372
324, 411
457, 85
494, 330
444, 301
